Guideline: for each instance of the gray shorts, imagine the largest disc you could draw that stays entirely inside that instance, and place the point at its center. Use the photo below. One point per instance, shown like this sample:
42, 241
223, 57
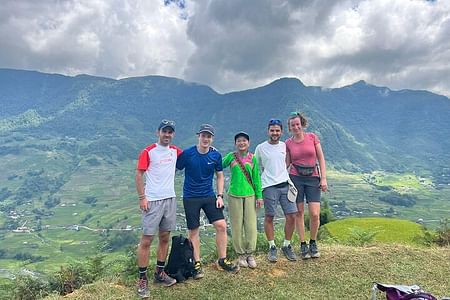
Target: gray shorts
274, 194
307, 187
161, 216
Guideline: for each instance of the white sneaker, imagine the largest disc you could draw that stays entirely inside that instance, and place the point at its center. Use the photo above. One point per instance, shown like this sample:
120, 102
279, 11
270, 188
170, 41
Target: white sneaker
243, 261
251, 261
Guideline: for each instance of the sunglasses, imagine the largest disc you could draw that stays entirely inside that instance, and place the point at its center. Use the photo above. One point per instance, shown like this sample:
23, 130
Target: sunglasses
294, 113
275, 122
168, 122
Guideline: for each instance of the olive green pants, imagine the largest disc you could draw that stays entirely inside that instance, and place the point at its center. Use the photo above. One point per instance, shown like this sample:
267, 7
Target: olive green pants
242, 212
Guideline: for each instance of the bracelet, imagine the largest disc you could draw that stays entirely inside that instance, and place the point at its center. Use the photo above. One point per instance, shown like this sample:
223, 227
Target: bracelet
220, 195
141, 197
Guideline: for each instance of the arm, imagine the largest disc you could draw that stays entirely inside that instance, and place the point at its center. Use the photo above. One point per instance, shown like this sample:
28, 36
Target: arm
288, 158
181, 160
139, 179
226, 161
219, 188
323, 170
258, 157
256, 177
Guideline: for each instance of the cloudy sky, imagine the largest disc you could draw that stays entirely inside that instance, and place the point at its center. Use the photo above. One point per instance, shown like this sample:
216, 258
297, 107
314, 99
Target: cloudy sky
234, 44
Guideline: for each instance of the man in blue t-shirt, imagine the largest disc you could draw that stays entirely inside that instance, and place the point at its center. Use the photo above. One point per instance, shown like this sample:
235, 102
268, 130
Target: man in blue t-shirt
200, 163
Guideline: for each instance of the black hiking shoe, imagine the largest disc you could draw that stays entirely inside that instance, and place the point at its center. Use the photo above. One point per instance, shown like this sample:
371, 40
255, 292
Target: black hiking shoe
304, 251
313, 251
198, 271
227, 265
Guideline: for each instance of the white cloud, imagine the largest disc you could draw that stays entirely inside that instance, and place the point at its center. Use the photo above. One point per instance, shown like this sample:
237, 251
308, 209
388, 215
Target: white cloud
109, 38
233, 44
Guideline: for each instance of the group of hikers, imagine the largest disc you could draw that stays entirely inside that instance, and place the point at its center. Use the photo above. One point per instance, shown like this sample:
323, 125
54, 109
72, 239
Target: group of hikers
257, 180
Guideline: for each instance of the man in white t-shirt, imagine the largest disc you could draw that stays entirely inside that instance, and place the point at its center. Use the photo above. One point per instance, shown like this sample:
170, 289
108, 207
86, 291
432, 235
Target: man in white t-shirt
157, 202
271, 156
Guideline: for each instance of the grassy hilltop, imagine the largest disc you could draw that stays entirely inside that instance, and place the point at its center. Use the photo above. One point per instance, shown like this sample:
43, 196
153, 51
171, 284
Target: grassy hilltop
343, 272
355, 253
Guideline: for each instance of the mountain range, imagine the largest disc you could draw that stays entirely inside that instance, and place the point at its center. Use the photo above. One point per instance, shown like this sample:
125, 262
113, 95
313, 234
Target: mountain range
362, 127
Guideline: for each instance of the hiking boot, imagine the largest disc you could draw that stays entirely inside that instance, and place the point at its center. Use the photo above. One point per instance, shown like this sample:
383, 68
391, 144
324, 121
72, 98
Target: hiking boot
289, 253
272, 255
142, 288
251, 262
227, 265
163, 279
198, 271
243, 261
304, 251
314, 252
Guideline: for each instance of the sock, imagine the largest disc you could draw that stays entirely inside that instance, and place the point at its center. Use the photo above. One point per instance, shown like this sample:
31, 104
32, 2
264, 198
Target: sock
160, 266
286, 243
221, 259
143, 273
312, 242
271, 243
303, 243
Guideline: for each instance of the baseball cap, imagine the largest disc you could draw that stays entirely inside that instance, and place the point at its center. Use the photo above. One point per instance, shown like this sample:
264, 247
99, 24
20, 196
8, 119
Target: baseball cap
241, 134
206, 128
166, 123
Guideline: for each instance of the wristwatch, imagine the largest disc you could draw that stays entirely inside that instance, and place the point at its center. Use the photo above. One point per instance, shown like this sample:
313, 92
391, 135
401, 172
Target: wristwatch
220, 195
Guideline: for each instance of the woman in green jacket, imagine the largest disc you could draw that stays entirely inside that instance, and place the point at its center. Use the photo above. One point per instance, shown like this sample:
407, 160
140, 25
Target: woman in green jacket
244, 197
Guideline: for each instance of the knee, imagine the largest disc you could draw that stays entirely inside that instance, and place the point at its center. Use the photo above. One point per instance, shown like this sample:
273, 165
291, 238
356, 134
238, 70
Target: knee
194, 234
268, 219
300, 214
164, 238
145, 242
315, 216
290, 218
220, 226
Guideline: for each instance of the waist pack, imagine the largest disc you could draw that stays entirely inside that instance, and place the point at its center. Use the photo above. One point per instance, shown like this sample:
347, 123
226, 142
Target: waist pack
181, 263
305, 170
401, 292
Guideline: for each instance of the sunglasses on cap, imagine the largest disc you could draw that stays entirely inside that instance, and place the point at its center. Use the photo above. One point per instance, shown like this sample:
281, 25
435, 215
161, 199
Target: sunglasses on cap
168, 122
275, 122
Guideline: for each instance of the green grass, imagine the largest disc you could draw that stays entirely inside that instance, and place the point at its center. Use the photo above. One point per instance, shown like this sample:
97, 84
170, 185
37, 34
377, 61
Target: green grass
387, 230
342, 272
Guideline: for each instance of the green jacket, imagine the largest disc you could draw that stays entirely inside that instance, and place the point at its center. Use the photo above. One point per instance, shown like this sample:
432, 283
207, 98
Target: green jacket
239, 185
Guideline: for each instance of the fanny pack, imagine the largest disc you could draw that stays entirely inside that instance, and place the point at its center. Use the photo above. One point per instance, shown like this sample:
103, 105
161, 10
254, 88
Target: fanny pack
305, 170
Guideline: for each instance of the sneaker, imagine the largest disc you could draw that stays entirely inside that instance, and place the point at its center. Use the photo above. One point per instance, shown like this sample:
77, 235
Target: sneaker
163, 279
289, 253
227, 265
251, 262
243, 261
304, 251
142, 288
272, 255
198, 271
313, 250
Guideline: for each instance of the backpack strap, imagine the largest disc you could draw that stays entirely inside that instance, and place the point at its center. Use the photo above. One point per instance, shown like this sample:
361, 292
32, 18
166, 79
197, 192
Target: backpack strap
243, 169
